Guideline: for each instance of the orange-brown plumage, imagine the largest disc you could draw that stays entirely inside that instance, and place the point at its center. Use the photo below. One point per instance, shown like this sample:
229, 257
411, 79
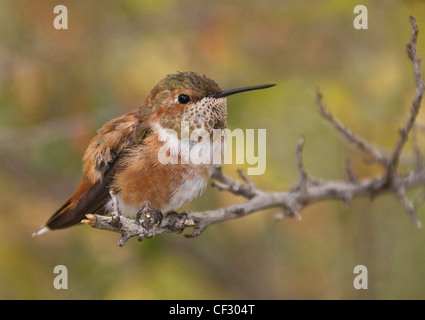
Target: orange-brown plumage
122, 160
98, 169
144, 179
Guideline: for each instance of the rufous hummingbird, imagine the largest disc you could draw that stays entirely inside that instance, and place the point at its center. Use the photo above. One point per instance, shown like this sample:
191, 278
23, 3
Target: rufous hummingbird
121, 167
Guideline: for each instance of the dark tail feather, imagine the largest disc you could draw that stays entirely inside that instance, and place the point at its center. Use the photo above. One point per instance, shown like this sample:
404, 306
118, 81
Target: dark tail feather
72, 212
70, 215
59, 219
88, 198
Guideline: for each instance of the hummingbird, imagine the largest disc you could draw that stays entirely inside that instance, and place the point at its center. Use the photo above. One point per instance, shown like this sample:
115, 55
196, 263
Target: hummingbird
121, 167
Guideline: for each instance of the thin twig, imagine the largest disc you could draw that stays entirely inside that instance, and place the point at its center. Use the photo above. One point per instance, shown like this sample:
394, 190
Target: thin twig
350, 172
416, 103
301, 171
351, 137
419, 160
247, 181
408, 205
226, 183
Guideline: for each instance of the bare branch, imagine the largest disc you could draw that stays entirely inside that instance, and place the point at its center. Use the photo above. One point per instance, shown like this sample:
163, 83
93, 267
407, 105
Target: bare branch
408, 205
248, 181
293, 202
416, 103
301, 171
419, 160
130, 228
228, 184
349, 170
352, 138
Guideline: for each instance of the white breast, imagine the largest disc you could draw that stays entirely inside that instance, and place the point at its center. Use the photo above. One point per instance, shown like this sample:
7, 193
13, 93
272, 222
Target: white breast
189, 190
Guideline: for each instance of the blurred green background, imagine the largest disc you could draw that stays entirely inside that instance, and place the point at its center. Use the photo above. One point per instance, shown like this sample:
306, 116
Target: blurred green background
58, 86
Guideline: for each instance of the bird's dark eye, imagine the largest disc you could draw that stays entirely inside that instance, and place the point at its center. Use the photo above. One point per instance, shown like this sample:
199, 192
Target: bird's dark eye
183, 99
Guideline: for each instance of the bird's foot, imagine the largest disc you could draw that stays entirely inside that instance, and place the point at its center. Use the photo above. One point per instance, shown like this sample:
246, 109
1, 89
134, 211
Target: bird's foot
182, 215
151, 217
177, 220
116, 213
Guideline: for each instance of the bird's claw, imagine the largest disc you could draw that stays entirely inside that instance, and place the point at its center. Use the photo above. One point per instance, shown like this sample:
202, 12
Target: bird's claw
151, 217
179, 219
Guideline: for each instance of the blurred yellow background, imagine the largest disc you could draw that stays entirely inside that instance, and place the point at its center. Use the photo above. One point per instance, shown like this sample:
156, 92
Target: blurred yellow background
58, 86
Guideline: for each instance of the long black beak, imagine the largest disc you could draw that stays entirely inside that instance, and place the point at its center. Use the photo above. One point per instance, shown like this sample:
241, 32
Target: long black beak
226, 93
